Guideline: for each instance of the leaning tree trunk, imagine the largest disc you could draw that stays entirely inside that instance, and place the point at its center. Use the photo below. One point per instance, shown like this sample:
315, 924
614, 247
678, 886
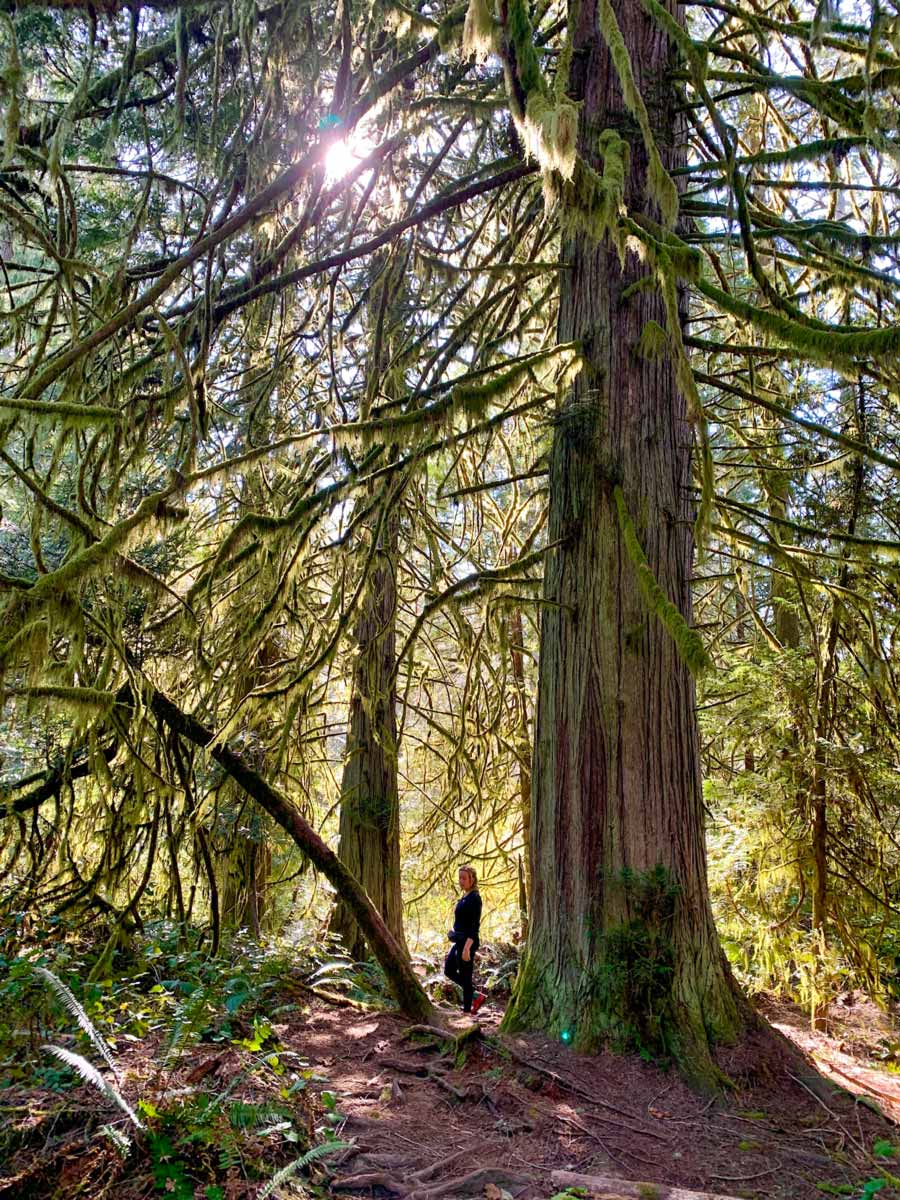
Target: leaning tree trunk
393, 958
370, 806
622, 945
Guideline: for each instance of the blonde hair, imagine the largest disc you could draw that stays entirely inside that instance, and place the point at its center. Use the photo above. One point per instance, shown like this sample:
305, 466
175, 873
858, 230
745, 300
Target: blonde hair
471, 872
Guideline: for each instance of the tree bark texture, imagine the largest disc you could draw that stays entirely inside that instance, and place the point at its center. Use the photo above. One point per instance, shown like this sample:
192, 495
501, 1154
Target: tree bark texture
370, 806
622, 944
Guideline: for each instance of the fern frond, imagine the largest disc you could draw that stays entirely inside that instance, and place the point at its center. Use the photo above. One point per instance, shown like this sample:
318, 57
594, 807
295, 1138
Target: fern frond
118, 1139
189, 1020
219, 1100
84, 1021
320, 1151
90, 1074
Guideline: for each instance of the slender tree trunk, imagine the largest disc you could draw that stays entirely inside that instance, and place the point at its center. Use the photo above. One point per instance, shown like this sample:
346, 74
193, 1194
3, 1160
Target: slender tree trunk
370, 803
517, 656
824, 724
622, 944
370, 807
245, 864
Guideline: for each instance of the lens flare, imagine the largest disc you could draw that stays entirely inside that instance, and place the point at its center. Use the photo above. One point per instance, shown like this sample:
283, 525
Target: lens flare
340, 159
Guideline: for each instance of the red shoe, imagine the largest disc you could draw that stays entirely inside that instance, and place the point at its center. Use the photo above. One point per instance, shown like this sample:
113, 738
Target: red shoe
477, 1002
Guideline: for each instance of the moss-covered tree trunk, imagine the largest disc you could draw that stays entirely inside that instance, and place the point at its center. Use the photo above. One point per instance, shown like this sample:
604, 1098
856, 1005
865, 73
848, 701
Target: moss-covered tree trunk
621, 941
370, 808
393, 958
246, 868
523, 746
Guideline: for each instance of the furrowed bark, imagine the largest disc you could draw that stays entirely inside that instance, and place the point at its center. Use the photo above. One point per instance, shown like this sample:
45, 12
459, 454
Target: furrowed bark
622, 945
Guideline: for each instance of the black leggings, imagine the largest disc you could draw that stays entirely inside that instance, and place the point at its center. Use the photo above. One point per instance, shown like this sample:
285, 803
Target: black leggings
460, 971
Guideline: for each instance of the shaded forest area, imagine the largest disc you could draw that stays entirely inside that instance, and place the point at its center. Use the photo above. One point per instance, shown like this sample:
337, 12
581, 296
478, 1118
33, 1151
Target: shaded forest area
434, 434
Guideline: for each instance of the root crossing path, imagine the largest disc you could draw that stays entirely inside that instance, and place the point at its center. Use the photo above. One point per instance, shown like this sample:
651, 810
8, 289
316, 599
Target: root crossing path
480, 1114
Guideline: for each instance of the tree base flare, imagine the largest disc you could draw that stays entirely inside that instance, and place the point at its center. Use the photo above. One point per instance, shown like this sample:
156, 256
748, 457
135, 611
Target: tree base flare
587, 1016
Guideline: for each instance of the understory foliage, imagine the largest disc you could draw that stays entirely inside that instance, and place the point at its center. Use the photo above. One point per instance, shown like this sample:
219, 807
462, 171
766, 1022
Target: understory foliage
221, 1103
275, 275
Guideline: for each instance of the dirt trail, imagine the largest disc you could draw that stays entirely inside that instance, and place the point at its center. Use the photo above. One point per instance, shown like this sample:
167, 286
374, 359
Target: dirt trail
519, 1109
495, 1117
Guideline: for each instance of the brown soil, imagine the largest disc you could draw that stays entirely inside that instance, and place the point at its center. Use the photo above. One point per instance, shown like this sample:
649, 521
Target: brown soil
503, 1115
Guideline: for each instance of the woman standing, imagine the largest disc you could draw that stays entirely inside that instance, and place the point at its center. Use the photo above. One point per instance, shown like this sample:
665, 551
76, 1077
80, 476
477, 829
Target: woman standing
460, 963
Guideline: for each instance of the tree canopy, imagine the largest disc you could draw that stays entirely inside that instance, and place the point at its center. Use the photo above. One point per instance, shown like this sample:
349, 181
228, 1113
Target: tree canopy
276, 279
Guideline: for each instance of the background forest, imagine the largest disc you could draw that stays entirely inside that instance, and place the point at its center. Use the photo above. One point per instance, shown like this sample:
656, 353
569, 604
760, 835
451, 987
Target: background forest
282, 368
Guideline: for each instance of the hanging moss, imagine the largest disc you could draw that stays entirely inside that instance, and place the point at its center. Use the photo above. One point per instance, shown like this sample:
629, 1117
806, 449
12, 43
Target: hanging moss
664, 249
73, 416
521, 41
595, 203
659, 183
450, 28
687, 640
829, 345
479, 31
11, 80
687, 385
653, 342
551, 132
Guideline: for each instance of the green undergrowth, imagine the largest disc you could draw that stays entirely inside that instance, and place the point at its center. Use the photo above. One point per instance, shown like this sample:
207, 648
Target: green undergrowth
180, 1066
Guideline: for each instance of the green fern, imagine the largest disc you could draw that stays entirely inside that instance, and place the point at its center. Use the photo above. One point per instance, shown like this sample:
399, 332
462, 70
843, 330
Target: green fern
90, 1074
190, 1019
286, 1173
118, 1139
84, 1021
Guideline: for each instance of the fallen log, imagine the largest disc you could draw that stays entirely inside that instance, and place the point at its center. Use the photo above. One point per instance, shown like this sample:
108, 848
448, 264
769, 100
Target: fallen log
607, 1187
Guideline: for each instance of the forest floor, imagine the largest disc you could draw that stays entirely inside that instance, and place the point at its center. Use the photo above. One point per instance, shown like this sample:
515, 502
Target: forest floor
497, 1116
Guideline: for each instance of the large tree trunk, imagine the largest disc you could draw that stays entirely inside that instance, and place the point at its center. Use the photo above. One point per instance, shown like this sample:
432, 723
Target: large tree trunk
621, 942
370, 807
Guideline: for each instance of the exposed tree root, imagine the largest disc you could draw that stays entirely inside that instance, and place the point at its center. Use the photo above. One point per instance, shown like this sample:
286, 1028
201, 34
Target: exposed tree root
607, 1187
577, 1090
416, 1187
292, 984
423, 1071
451, 1044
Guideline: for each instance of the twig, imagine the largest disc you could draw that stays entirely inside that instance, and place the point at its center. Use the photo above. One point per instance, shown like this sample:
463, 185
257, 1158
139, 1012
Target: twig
743, 1178
834, 1117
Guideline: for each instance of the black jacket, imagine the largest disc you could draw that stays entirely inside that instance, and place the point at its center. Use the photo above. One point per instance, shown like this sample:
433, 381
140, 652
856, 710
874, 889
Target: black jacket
466, 920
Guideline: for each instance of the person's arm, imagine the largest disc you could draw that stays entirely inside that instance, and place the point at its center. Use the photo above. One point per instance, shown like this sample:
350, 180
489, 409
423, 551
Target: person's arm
472, 924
